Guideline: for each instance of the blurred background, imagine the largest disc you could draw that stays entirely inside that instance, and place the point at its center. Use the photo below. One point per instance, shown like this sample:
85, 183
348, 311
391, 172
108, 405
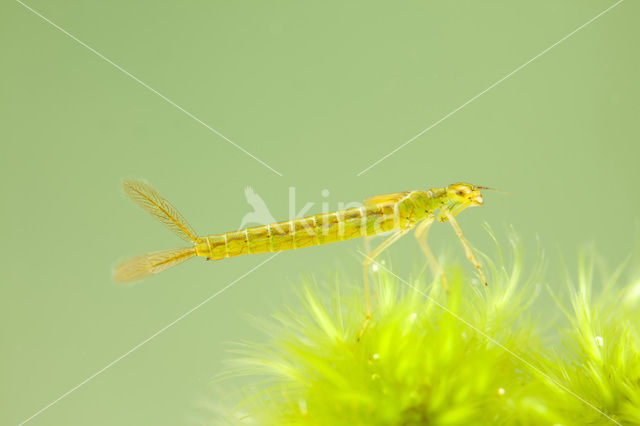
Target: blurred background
318, 92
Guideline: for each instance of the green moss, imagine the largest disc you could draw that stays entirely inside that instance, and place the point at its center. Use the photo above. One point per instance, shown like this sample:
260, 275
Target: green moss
473, 356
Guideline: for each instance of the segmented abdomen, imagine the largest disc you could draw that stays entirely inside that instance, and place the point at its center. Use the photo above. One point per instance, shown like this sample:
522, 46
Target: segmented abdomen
303, 232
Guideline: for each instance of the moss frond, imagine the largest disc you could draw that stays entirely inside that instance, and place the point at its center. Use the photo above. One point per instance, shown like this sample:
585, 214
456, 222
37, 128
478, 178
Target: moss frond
473, 356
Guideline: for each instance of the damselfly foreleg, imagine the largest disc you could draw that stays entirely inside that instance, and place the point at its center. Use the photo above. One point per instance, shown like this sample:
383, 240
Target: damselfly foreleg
421, 236
465, 243
365, 267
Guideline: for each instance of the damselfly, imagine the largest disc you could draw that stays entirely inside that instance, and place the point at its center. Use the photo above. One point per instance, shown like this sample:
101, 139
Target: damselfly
398, 213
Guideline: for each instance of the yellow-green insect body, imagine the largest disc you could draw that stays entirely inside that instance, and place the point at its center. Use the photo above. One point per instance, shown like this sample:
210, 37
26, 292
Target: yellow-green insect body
399, 212
314, 230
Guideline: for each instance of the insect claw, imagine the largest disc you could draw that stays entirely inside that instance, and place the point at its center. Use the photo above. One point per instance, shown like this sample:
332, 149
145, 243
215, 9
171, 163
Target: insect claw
364, 326
445, 284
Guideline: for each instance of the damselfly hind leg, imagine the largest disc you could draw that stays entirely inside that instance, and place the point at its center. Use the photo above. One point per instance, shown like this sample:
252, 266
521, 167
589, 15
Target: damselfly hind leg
365, 269
367, 249
421, 236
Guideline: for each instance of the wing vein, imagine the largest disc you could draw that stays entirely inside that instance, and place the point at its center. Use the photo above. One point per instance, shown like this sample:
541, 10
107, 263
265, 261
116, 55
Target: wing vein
147, 198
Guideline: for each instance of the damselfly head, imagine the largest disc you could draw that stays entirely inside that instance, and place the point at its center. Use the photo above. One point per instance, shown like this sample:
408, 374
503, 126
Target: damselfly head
465, 193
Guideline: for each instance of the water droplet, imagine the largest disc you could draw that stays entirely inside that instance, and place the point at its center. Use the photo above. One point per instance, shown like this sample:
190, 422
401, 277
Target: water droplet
302, 405
599, 340
376, 356
374, 267
501, 391
413, 317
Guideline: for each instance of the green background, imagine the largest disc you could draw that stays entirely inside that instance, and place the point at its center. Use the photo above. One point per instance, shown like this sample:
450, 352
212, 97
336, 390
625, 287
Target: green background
318, 91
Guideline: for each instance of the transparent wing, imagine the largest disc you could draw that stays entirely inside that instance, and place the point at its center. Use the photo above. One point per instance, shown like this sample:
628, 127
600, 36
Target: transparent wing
386, 198
149, 199
140, 267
